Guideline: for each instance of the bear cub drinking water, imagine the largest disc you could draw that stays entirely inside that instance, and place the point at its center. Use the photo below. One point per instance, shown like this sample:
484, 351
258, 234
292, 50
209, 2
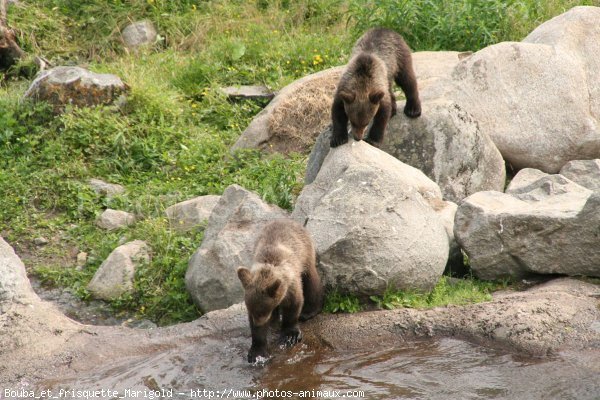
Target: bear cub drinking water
283, 280
364, 92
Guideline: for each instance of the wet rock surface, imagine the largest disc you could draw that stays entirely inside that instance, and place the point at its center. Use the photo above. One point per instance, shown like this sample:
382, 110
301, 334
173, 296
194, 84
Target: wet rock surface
42, 349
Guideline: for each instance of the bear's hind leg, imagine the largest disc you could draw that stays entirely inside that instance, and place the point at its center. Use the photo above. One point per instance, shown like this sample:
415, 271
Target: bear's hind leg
313, 294
408, 82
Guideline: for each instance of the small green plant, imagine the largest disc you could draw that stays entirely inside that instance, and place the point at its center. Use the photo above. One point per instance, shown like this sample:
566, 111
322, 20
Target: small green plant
60, 276
335, 302
446, 291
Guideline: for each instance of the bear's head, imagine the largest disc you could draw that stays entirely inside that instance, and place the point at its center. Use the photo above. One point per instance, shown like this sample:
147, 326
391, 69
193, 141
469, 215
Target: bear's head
264, 291
362, 90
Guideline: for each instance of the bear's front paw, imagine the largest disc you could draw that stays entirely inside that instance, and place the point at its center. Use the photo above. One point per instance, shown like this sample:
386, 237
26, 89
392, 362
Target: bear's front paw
258, 354
373, 143
412, 109
290, 337
338, 140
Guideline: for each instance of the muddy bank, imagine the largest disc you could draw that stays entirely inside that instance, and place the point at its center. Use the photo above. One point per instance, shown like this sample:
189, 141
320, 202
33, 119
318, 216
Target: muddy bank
43, 348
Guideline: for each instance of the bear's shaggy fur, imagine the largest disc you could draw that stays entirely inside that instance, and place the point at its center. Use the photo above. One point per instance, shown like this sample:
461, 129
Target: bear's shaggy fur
283, 280
364, 92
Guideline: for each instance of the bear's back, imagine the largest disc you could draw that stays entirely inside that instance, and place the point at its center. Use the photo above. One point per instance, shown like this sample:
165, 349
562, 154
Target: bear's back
284, 240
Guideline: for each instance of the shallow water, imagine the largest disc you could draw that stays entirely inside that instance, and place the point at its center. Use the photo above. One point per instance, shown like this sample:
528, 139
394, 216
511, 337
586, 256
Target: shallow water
440, 369
93, 312
432, 369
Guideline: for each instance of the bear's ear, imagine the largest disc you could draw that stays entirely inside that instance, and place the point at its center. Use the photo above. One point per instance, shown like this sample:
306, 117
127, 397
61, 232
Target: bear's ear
376, 97
273, 289
245, 276
348, 97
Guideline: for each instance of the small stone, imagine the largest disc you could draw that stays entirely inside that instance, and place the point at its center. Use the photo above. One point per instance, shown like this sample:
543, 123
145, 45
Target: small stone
189, 214
106, 189
40, 241
139, 33
62, 86
114, 219
82, 259
115, 276
139, 324
248, 92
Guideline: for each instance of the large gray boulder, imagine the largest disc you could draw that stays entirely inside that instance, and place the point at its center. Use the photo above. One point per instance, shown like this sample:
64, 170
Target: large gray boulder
583, 172
544, 224
577, 34
116, 274
532, 100
228, 243
191, 213
431, 66
448, 146
538, 100
14, 284
374, 222
62, 86
445, 143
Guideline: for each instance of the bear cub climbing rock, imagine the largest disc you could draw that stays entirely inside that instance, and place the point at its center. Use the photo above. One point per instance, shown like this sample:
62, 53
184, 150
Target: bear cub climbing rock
283, 281
364, 92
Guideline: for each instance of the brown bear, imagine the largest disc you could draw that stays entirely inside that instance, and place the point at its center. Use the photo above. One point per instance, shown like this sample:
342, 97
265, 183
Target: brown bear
364, 92
283, 280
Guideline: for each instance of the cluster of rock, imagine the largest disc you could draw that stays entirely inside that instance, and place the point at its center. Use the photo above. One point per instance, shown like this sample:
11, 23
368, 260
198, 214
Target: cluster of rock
386, 217
75, 86
378, 222
544, 224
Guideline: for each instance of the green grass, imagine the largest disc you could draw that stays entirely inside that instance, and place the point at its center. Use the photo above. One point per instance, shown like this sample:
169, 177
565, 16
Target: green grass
171, 140
447, 291
458, 24
335, 302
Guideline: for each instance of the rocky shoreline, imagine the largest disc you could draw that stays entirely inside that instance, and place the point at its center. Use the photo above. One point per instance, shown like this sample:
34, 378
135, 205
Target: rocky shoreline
40, 347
